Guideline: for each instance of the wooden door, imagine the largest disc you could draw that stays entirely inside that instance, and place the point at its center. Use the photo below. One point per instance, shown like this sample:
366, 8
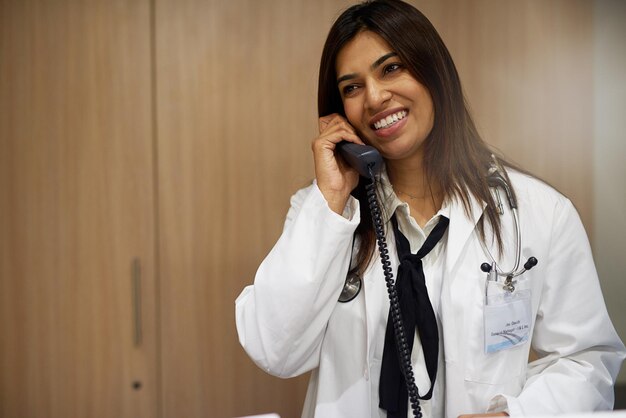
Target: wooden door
236, 114
76, 208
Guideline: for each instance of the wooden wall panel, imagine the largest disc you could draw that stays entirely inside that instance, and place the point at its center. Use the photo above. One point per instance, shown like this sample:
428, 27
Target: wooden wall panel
526, 68
236, 114
76, 206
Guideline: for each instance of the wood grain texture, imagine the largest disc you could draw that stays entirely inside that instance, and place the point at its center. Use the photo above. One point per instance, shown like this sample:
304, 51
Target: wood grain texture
76, 206
527, 71
236, 115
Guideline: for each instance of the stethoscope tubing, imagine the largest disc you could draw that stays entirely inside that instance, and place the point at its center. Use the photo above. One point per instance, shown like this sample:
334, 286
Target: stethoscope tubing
515, 271
497, 179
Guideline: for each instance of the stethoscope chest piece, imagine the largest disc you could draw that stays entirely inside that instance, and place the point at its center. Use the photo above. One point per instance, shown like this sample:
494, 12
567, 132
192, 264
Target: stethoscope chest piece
351, 287
509, 284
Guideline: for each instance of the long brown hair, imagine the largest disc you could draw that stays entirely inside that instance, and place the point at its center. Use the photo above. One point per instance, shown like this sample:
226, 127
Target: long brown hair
455, 157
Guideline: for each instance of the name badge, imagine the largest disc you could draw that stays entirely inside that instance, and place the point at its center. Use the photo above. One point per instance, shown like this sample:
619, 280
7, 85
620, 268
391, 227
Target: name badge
507, 320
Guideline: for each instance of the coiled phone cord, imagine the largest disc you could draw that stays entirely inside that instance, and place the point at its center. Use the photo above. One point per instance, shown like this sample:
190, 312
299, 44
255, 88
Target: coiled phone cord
404, 351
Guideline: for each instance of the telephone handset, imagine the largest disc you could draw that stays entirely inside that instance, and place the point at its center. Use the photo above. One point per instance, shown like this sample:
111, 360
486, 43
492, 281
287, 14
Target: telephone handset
363, 158
368, 162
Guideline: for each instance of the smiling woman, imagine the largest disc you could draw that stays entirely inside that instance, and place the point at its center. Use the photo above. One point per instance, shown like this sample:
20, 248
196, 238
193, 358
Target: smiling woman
380, 96
388, 80
448, 155
390, 110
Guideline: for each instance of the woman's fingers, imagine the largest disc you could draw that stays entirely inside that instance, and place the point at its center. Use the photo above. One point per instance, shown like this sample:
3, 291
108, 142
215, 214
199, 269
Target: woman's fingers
324, 121
337, 123
334, 178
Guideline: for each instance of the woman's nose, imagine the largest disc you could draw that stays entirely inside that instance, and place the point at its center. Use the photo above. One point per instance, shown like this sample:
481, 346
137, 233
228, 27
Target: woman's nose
377, 95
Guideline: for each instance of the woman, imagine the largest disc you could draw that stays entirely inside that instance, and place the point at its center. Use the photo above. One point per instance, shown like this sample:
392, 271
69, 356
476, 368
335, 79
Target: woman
387, 80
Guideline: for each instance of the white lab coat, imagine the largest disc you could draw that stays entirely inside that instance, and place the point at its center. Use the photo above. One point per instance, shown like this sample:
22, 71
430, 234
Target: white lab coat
289, 321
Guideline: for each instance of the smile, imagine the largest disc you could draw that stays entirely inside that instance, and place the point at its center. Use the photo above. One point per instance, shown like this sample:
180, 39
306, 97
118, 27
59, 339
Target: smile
390, 120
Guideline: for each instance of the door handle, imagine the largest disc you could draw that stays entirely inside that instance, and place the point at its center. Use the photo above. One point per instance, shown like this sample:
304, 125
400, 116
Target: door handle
136, 295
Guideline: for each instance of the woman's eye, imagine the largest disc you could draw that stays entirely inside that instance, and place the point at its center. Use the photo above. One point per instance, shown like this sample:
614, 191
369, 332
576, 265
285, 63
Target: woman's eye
392, 68
349, 89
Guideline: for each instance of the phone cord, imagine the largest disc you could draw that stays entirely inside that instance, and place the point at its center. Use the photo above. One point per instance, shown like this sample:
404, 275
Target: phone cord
396, 316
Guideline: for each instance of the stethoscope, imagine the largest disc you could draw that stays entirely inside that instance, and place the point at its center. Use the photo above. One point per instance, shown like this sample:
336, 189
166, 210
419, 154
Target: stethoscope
496, 179
352, 285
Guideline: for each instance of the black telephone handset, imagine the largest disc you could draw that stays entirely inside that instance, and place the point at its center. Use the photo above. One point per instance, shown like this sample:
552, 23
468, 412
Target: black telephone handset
364, 158
368, 162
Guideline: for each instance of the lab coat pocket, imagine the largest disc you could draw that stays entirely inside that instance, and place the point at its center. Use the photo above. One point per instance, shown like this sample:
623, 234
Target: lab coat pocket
507, 321
499, 340
496, 368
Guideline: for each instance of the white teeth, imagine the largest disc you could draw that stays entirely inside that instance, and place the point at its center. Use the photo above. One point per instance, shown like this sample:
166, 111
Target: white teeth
390, 120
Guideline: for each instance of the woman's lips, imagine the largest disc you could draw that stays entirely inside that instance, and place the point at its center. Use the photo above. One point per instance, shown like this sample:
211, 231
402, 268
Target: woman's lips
392, 129
389, 118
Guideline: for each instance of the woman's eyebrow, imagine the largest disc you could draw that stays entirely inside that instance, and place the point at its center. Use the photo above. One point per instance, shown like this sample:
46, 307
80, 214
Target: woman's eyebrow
383, 59
375, 65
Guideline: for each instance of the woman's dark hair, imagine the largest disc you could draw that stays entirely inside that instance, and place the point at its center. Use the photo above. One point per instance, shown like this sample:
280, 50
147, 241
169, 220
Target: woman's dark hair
455, 158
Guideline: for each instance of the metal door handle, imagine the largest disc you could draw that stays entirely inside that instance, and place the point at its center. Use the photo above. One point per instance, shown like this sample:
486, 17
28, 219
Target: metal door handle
136, 284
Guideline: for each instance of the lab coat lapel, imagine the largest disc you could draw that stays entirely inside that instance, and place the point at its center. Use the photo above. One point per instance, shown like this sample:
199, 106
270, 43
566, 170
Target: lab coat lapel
454, 288
461, 228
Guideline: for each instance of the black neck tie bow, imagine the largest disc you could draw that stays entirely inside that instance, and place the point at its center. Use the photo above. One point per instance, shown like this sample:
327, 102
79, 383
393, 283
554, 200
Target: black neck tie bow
417, 312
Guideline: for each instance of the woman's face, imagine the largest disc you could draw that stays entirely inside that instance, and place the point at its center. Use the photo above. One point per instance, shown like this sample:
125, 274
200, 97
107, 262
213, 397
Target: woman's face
387, 106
